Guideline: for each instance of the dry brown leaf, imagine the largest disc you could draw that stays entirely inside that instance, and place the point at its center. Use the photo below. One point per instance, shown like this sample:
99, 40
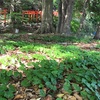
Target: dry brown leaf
64, 92
19, 96
49, 97
71, 98
77, 96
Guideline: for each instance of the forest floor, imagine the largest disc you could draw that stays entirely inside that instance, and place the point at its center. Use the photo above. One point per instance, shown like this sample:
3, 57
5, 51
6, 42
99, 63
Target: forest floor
89, 44
16, 54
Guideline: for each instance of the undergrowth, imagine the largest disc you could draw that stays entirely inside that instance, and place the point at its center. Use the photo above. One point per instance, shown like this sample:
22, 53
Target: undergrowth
79, 69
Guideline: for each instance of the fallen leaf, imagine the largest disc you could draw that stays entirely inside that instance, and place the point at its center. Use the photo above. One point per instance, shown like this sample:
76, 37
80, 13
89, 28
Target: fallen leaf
77, 96
71, 98
17, 97
60, 95
49, 97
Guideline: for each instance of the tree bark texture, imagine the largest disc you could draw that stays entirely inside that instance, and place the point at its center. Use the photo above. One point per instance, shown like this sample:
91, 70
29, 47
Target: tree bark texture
97, 35
47, 16
59, 17
65, 16
68, 17
85, 5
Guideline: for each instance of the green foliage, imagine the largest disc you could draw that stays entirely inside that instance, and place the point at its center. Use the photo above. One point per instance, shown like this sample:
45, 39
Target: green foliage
6, 90
75, 25
55, 4
93, 7
67, 86
59, 99
59, 38
84, 73
4, 47
16, 19
27, 4
55, 20
39, 57
42, 93
49, 71
98, 46
80, 69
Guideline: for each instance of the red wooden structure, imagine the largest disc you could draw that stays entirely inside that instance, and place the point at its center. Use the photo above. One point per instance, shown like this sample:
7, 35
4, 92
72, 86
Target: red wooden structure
36, 14
4, 12
31, 14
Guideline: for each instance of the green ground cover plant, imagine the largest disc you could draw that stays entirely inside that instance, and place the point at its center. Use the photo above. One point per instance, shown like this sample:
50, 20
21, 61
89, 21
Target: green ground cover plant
98, 46
47, 66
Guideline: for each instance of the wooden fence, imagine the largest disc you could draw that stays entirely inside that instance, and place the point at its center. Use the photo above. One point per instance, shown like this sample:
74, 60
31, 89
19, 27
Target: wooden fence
31, 14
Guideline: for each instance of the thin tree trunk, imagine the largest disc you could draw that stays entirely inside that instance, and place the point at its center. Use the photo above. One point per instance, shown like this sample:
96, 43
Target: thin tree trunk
83, 15
68, 17
64, 6
59, 17
97, 35
12, 7
65, 16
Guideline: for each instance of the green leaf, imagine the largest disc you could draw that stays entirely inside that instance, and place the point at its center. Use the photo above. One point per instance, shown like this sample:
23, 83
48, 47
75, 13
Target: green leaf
99, 83
48, 84
29, 77
90, 97
53, 80
54, 88
59, 99
1, 98
88, 77
84, 80
84, 94
17, 74
10, 73
78, 78
76, 87
36, 80
97, 94
4, 71
54, 73
94, 84
11, 88
41, 85
45, 78
5, 80
3, 88
9, 94
67, 86
42, 93
25, 83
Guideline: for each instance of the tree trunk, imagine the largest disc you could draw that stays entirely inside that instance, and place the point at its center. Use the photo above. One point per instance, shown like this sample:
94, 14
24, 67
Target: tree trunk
65, 16
65, 4
59, 17
68, 17
97, 35
47, 16
1, 3
86, 2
